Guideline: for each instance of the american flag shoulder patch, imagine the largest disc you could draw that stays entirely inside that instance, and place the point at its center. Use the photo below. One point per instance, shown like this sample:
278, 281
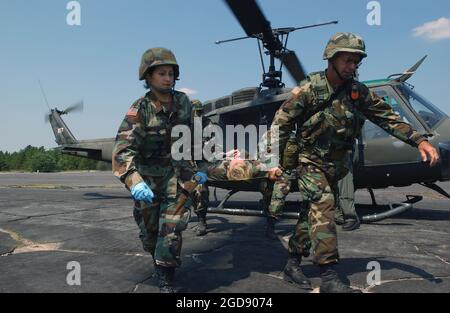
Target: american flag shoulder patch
132, 112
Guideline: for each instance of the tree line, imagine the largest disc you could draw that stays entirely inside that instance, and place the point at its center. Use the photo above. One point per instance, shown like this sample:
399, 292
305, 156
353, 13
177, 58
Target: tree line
34, 159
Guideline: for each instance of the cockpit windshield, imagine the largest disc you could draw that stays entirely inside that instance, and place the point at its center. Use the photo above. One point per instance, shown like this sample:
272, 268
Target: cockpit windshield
427, 111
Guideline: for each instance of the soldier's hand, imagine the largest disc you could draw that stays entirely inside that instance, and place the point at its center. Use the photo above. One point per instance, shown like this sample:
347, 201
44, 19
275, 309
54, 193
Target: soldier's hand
427, 151
274, 173
201, 177
142, 192
233, 154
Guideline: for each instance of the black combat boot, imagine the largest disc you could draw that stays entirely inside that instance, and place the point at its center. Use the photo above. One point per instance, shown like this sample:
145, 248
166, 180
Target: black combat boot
351, 224
165, 279
294, 274
331, 283
270, 228
201, 226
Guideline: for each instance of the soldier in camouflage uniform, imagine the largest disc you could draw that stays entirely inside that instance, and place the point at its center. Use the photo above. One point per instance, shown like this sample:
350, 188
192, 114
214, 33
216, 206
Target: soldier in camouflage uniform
328, 110
142, 160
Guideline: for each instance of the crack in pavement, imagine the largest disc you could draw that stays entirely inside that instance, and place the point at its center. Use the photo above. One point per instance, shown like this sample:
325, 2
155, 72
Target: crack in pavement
25, 245
432, 254
227, 243
136, 286
98, 221
28, 246
51, 214
383, 282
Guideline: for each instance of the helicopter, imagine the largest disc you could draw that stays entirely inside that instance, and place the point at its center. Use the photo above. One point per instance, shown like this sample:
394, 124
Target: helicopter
380, 159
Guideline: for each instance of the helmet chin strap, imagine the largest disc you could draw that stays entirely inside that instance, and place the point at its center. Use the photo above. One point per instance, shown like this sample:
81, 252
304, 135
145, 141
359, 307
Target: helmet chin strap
337, 72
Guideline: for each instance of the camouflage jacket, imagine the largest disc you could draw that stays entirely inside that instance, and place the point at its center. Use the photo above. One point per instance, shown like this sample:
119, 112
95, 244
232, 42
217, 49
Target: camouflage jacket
327, 121
143, 142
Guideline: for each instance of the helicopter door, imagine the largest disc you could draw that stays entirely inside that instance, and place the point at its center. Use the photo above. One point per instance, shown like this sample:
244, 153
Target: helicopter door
383, 155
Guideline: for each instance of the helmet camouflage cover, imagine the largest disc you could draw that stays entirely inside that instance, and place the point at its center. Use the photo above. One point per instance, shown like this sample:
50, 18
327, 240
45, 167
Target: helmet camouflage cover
345, 42
155, 57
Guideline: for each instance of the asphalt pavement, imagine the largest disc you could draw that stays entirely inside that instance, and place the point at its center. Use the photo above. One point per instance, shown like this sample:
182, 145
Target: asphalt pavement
49, 221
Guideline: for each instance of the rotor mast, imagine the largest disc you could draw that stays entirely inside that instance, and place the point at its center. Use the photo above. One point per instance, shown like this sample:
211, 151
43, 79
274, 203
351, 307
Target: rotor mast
255, 25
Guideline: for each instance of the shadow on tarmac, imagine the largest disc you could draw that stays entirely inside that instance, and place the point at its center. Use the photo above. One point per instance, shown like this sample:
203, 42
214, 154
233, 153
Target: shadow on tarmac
101, 196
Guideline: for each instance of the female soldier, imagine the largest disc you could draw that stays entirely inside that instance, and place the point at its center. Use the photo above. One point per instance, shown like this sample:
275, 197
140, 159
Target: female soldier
142, 160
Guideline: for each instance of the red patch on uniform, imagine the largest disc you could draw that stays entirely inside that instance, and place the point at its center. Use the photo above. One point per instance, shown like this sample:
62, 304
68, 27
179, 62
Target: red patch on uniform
132, 112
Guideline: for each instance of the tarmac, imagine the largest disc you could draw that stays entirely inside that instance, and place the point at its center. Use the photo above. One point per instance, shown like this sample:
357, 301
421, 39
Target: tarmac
50, 220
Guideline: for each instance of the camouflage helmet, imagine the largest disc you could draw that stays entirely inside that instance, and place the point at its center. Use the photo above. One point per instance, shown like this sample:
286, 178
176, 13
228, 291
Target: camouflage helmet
155, 57
196, 105
345, 42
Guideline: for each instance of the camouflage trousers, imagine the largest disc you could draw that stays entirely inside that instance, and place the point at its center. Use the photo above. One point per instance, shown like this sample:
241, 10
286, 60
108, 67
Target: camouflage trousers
159, 223
276, 196
318, 189
200, 200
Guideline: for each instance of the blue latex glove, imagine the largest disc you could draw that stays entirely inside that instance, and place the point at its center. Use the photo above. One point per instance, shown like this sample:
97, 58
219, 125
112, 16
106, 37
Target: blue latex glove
203, 177
142, 192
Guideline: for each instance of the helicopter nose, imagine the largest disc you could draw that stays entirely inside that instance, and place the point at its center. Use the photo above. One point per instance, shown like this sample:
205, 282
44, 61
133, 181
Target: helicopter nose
444, 151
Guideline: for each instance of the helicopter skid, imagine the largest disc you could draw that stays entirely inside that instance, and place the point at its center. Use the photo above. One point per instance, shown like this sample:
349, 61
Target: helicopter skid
395, 209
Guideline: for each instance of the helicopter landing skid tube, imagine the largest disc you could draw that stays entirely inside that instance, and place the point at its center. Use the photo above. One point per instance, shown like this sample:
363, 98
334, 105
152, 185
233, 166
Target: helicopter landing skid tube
402, 207
247, 212
366, 219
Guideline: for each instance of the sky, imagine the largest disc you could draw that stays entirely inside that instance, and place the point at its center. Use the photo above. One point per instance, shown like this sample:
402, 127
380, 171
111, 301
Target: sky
98, 61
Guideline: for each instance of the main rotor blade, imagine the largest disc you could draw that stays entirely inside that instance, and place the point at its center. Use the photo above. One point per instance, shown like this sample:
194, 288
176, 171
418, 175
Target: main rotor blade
293, 65
249, 15
253, 21
75, 107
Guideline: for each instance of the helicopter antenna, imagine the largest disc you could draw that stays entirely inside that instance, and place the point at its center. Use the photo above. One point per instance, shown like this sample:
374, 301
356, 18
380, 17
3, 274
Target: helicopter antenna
43, 93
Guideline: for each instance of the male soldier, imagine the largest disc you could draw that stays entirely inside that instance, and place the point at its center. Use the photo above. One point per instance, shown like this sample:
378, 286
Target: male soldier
328, 109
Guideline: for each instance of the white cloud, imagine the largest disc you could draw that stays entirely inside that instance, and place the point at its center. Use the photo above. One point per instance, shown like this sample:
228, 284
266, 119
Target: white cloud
188, 91
434, 30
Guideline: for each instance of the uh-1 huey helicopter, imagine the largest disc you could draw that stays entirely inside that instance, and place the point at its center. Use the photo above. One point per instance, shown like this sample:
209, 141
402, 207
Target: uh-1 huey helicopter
380, 159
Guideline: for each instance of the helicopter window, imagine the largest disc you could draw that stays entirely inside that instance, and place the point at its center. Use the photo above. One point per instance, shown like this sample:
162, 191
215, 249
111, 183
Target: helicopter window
372, 131
427, 111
